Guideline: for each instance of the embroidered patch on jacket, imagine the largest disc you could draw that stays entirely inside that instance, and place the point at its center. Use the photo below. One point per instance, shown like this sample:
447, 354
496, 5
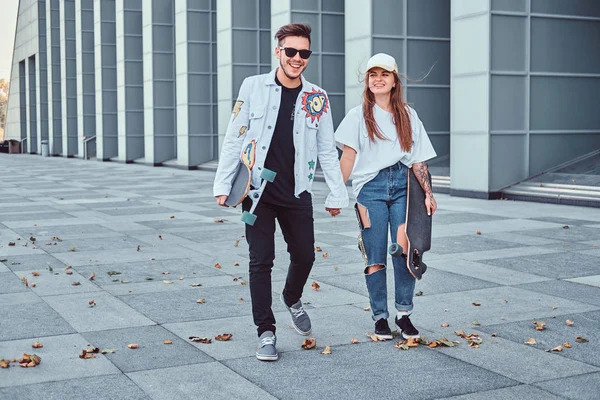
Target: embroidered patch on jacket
315, 103
249, 154
311, 165
243, 130
237, 108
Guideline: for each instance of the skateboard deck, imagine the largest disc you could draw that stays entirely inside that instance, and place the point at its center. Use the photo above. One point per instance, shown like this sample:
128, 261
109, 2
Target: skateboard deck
417, 228
242, 183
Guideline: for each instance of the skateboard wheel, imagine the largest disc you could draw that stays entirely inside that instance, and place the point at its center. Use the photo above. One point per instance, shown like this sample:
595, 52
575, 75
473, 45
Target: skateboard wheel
268, 175
248, 218
395, 250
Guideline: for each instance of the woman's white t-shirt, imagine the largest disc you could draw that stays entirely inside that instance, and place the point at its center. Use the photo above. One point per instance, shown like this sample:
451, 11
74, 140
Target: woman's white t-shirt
372, 157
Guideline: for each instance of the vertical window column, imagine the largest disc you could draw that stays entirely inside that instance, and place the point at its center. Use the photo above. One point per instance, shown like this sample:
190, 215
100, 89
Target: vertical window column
68, 77
86, 83
42, 75
54, 91
106, 79
130, 81
159, 81
197, 133
32, 140
23, 98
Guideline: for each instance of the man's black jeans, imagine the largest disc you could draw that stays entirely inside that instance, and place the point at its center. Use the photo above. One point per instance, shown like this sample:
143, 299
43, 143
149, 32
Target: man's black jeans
297, 226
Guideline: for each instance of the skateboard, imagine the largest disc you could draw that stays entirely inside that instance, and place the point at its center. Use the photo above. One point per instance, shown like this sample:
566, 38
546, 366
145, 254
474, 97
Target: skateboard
417, 228
242, 183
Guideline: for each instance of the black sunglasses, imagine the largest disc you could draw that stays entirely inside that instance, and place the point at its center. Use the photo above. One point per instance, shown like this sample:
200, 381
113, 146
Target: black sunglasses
291, 52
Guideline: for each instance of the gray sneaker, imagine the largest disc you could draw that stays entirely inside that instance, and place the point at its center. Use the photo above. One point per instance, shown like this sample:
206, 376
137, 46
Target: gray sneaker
266, 350
300, 319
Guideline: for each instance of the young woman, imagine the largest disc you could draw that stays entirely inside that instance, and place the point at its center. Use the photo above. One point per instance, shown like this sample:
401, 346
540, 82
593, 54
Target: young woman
381, 139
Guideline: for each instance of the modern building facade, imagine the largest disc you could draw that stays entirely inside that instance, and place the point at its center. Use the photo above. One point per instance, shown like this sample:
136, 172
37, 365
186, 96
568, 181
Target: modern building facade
506, 88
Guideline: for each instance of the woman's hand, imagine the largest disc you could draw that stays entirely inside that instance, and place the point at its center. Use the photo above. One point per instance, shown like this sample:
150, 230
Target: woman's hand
333, 211
221, 201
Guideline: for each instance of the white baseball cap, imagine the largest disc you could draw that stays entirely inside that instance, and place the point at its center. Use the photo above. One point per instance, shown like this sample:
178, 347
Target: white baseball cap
384, 61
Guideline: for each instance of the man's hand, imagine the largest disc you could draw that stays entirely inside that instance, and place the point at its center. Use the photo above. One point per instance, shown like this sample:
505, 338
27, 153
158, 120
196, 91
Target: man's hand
333, 211
430, 204
221, 200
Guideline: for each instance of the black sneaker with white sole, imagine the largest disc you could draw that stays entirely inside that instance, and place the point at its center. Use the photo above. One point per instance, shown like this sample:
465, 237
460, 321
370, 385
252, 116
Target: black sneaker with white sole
406, 327
382, 329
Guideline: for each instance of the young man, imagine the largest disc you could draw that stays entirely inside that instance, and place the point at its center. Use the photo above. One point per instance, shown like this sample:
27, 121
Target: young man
290, 121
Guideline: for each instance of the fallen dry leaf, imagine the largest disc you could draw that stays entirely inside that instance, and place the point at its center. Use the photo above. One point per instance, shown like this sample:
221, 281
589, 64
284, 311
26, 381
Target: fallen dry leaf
92, 303
69, 272
565, 226
476, 304
556, 349
138, 248
167, 282
219, 220
200, 301
224, 337
236, 264
445, 325
540, 326
92, 276
68, 267
237, 243
11, 243
554, 308
180, 278
33, 285
241, 299
419, 293
217, 265
478, 232
315, 286
37, 345
318, 249
354, 341
160, 237
172, 217
309, 343
25, 281
195, 284
581, 339
325, 255
476, 323
108, 351
35, 273
569, 322
567, 345
133, 346
168, 342
86, 355
367, 309
4, 363
327, 350
75, 283
201, 340
166, 273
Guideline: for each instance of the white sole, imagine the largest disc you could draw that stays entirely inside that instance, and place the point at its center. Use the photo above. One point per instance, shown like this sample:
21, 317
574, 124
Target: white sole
267, 358
383, 337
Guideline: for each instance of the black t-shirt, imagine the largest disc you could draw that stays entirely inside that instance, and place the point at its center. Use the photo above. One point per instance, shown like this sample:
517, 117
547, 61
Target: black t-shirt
282, 155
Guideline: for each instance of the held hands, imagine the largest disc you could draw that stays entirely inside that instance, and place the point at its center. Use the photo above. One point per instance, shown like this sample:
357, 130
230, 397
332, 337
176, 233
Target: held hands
221, 201
430, 204
333, 211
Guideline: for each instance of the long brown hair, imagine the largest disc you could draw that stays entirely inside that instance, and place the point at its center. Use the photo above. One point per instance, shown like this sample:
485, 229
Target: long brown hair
399, 112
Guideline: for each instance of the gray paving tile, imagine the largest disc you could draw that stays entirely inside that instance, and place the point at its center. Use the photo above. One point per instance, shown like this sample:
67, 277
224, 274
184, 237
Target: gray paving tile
582, 387
204, 381
509, 393
95, 244
573, 234
143, 210
152, 352
59, 282
517, 361
34, 216
105, 387
556, 333
10, 283
322, 370
181, 306
24, 315
485, 272
467, 243
138, 271
567, 290
98, 257
558, 265
433, 282
498, 305
109, 312
457, 218
330, 327
60, 361
587, 280
45, 233
33, 262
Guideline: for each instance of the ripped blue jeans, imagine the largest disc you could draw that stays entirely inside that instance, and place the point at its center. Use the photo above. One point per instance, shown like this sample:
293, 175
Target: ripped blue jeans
381, 208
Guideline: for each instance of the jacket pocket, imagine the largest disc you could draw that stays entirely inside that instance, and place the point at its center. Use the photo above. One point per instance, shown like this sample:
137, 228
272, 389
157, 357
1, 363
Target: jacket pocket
255, 118
312, 128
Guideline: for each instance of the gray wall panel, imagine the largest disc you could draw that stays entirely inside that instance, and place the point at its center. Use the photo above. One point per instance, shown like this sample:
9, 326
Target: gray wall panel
547, 151
509, 5
508, 43
508, 159
508, 103
428, 18
584, 8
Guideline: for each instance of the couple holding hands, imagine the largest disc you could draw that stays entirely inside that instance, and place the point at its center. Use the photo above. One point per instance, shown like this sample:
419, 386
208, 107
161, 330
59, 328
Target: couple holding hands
290, 121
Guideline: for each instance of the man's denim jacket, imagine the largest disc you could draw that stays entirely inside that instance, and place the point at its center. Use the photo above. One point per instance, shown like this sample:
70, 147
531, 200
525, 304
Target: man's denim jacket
254, 117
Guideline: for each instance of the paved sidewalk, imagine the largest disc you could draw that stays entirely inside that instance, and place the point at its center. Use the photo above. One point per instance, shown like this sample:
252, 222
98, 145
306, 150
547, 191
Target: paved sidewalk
148, 235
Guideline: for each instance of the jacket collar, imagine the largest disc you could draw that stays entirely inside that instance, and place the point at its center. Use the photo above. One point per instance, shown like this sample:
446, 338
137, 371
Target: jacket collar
270, 80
